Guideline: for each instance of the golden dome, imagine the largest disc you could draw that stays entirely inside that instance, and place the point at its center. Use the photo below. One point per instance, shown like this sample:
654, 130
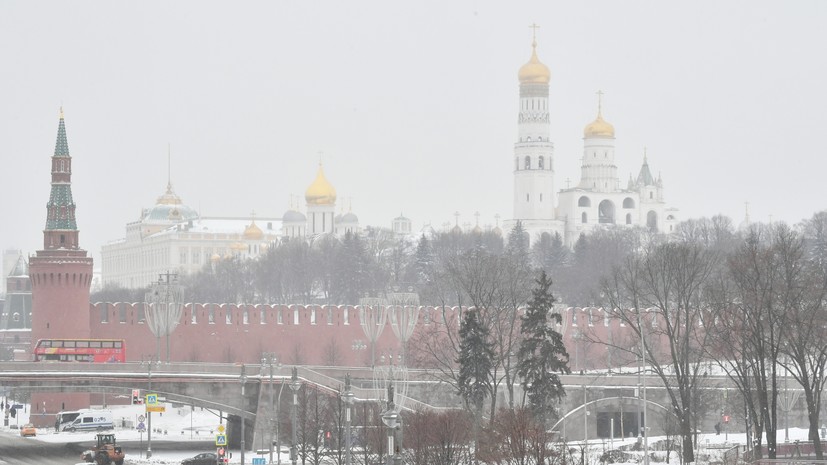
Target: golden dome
534, 72
215, 257
599, 128
238, 246
253, 232
320, 192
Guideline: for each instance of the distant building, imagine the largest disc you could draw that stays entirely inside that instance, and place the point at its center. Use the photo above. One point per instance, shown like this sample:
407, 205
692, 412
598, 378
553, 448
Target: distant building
10, 257
172, 236
16, 310
598, 199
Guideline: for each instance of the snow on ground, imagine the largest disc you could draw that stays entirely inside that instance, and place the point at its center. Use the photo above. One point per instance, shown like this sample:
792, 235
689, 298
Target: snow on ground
180, 425
184, 425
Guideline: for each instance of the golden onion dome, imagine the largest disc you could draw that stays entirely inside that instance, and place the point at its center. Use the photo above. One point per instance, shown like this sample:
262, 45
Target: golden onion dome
253, 232
238, 246
534, 72
320, 192
215, 257
599, 128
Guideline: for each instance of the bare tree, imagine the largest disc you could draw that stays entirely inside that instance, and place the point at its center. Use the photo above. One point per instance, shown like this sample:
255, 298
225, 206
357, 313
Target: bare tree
659, 294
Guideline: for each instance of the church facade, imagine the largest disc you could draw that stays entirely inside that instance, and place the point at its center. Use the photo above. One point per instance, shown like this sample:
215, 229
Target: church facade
598, 199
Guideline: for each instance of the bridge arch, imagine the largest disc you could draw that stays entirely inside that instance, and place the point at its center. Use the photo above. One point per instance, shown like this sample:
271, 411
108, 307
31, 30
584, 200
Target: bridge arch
571, 424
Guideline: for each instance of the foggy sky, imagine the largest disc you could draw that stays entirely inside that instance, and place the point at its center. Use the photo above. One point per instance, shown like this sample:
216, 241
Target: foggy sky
412, 105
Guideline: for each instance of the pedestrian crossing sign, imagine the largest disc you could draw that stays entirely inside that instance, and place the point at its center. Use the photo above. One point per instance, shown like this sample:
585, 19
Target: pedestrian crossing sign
152, 399
220, 439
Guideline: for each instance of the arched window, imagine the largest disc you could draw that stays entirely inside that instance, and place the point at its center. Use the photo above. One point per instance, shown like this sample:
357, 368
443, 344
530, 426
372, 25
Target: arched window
606, 212
527, 162
516, 163
628, 202
651, 194
541, 163
652, 220
584, 202
628, 218
584, 218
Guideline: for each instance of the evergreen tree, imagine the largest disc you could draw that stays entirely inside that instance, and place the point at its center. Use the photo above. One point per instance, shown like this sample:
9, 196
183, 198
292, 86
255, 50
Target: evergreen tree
541, 351
476, 360
517, 247
550, 254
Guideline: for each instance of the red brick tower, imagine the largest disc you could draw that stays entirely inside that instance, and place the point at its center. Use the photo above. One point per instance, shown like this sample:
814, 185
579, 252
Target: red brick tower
61, 273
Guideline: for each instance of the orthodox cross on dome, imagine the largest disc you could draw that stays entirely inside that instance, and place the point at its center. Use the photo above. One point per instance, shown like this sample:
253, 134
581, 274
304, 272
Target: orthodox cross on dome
497, 219
534, 28
456, 218
477, 216
568, 183
599, 102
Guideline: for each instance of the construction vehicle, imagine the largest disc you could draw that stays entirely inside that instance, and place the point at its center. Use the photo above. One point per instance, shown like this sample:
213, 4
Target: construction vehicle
105, 452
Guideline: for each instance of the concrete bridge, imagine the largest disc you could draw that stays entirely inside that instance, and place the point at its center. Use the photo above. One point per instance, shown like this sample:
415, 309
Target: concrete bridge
218, 387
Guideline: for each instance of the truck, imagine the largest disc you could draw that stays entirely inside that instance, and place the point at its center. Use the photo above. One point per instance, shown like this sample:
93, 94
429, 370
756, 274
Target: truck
85, 420
105, 452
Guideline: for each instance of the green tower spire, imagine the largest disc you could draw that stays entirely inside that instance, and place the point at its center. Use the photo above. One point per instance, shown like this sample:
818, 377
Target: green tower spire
60, 211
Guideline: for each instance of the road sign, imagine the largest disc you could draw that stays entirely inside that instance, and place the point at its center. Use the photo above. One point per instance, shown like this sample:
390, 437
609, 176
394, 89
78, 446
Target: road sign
156, 408
220, 440
220, 428
152, 399
141, 427
141, 418
259, 461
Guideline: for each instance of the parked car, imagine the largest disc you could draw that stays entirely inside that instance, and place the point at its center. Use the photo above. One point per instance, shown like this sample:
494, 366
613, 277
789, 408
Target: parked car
207, 458
28, 430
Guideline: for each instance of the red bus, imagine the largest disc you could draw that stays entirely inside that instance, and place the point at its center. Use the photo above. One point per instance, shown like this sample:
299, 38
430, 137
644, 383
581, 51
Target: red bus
80, 350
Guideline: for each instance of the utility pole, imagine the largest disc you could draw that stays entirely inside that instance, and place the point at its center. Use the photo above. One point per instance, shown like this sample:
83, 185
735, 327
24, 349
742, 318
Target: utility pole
295, 385
243, 409
348, 398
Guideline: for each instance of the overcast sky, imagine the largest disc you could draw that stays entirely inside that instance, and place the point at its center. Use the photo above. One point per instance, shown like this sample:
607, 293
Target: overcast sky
413, 105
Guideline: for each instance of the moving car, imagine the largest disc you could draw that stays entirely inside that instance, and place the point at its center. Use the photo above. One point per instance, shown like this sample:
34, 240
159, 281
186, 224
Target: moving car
28, 430
207, 458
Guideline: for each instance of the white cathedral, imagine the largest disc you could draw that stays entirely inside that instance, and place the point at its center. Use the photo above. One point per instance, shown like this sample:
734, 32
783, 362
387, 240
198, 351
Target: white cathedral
598, 200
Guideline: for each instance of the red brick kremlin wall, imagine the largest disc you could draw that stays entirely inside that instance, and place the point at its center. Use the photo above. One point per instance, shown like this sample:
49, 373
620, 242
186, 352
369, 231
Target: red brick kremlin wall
333, 336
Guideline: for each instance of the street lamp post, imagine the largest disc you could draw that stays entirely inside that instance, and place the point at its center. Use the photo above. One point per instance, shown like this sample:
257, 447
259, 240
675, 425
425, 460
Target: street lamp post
149, 413
348, 398
643, 382
243, 402
271, 358
295, 385
390, 418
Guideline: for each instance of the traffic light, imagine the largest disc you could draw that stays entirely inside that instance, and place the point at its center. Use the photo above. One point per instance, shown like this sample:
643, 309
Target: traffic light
221, 452
136, 397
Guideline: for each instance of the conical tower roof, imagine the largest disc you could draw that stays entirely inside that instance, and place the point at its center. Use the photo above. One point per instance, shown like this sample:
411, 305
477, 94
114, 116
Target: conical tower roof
21, 268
